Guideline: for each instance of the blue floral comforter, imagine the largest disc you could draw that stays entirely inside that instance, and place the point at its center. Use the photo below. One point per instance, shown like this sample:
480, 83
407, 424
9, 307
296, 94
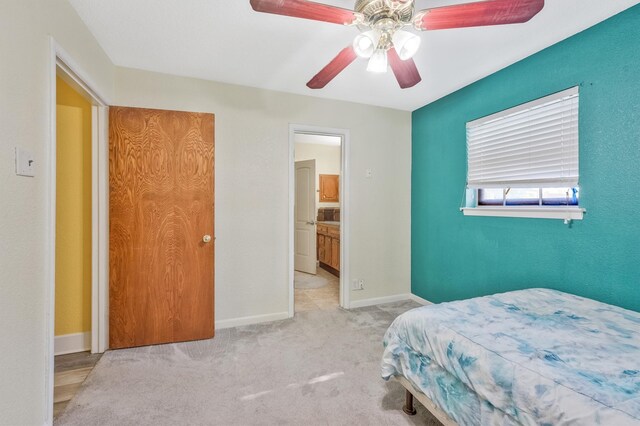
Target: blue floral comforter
531, 357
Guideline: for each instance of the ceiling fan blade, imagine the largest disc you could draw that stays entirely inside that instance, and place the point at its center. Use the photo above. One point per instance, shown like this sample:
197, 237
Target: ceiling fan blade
333, 68
483, 13
406, 72
305, 9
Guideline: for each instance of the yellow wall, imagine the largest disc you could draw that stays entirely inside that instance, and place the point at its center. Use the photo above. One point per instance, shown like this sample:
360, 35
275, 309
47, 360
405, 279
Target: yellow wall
73, 212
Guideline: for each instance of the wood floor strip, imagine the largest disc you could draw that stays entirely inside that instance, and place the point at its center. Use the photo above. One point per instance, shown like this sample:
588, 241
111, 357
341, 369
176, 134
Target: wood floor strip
59, 407
65, 393
70, 372
71, 376
74, 361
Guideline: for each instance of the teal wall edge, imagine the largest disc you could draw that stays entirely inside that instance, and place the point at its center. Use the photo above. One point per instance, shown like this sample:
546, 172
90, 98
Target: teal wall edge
456, 257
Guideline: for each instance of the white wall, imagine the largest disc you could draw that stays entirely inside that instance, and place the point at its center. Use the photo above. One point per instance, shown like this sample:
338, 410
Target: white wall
327, 163
24, 121
251, 186
251, 174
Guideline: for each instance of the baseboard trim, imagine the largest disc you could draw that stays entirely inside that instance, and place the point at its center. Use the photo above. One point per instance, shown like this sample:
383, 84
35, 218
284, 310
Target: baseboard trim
420, 300
253, 319
72, 343
278, 316
379, 300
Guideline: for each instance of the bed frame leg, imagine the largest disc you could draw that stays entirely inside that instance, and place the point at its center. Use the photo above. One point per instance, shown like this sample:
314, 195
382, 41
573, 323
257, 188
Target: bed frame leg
408, 408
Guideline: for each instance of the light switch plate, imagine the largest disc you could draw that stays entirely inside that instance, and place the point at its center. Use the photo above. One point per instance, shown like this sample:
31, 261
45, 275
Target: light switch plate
368, 173
25, 163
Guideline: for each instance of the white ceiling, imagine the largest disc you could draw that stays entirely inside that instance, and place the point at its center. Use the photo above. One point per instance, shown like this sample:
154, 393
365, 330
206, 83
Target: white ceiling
227, 41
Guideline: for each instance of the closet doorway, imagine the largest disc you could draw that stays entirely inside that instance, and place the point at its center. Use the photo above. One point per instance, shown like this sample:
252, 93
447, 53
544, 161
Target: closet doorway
73, 220
76, 331
318, 222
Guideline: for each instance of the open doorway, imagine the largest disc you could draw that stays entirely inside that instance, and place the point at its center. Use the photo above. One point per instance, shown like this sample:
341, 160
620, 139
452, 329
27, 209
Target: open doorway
73, 220
317, 248
73, 244
77, 221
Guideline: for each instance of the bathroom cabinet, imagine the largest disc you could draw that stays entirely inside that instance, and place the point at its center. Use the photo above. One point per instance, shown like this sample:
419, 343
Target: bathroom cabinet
328, 243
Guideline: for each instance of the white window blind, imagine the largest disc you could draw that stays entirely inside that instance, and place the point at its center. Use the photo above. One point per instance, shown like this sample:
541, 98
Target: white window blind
531, 145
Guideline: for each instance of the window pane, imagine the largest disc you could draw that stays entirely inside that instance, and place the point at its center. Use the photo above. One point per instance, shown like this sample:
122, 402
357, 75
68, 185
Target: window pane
523, 197
490, 196
560, 196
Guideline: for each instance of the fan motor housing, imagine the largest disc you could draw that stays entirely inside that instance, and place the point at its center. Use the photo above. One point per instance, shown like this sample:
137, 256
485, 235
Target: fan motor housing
374, 10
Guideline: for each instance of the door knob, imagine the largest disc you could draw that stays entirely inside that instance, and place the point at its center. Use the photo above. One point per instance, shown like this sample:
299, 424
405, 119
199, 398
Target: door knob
311, 223
206, 239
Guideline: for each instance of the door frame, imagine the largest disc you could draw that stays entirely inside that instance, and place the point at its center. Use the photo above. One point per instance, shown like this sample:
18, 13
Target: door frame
344, 208
61, 61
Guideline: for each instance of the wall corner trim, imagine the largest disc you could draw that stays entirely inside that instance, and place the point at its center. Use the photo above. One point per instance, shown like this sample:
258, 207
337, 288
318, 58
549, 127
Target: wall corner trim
253, 319
379, 300
420, 300
72, 343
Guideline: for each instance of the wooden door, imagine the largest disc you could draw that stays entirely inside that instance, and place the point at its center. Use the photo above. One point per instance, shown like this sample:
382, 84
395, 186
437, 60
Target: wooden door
329, 188
335, 254
327, 250
321, 247
305, 215
161, 199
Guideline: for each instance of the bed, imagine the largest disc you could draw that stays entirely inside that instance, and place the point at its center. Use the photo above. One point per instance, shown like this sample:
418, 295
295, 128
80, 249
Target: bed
529, 357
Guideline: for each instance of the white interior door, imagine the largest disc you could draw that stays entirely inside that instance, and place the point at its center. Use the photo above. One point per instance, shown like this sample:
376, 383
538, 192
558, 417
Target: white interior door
305, 215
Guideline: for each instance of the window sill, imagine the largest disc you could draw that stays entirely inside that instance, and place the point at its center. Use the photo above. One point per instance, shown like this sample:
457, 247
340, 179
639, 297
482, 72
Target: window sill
572, 213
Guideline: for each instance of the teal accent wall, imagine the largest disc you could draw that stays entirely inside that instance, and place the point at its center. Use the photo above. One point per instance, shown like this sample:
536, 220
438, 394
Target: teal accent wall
456, 256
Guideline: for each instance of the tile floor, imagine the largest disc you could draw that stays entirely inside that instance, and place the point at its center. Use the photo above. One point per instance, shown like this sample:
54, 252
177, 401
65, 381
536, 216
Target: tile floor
316, 292
70, 372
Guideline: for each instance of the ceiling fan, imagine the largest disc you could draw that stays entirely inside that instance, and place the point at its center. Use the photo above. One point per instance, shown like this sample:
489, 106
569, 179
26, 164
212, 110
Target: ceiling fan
382, 39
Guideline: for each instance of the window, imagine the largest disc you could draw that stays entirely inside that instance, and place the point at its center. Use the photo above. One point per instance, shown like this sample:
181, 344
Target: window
528, 197
523, 161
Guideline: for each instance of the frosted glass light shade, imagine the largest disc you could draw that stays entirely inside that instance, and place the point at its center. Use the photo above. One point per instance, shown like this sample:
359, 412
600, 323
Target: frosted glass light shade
406, 44
378, 62
365, 43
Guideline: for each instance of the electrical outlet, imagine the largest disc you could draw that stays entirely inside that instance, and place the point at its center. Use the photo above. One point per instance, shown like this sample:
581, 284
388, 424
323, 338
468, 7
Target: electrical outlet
360, 284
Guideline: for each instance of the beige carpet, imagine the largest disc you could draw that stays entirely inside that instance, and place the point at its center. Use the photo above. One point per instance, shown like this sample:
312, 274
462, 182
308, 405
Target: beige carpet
319, 368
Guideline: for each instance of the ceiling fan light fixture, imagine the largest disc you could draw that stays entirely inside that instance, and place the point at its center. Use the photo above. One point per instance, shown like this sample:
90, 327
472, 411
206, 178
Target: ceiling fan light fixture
382, 40
378, 62
365, 43
406, 44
